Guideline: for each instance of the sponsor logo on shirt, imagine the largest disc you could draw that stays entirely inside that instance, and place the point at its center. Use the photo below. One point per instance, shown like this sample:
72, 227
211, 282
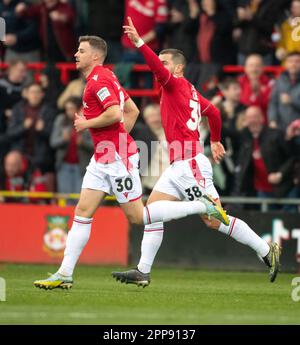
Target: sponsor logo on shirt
95, 77
103, 93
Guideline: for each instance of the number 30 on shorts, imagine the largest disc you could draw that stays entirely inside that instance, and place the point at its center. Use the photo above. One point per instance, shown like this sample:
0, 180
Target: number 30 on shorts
124, 184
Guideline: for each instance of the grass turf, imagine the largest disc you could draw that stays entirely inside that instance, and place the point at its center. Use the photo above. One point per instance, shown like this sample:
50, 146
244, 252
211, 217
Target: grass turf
175, 296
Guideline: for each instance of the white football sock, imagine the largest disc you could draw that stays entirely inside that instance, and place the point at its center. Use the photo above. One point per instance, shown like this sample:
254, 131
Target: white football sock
164, 211
242, 233
153, 235
76, 241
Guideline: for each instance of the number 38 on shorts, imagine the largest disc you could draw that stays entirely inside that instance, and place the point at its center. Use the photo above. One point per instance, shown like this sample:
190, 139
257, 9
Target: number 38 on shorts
193, 193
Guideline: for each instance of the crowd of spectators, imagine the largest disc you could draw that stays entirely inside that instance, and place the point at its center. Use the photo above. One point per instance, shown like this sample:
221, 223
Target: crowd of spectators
39, 148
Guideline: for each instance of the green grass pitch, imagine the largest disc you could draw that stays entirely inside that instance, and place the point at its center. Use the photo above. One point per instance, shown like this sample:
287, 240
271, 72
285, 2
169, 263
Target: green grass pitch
175, 296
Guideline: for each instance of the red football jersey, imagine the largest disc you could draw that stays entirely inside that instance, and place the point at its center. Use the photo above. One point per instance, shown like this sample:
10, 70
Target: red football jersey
181, 109
145, 14
258, 97
102, 91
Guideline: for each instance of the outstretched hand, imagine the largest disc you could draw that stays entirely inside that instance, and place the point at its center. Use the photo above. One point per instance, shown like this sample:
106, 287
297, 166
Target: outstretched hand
218, 151
131, 32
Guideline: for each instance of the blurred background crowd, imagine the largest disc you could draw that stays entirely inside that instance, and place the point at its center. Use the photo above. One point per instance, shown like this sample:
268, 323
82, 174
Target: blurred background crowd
260, 108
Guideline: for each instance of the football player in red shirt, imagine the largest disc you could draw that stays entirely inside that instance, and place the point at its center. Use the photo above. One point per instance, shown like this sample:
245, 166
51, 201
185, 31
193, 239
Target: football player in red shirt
109, 114
190, 173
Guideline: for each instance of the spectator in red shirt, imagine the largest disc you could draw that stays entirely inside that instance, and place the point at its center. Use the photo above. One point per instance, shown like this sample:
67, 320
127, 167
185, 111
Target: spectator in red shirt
255, 85
150, 18
265, 163
56, 28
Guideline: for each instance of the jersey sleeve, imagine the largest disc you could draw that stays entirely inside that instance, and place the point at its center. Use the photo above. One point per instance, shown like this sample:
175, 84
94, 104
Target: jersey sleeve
105, 94
126, 96
213, 116
164, 77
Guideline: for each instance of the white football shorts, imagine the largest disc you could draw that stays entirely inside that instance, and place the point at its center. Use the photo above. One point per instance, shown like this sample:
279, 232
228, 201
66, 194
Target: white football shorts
188, 179
119, 178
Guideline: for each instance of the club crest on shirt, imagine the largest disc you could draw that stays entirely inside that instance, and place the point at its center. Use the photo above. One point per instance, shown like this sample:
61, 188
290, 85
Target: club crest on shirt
103, 93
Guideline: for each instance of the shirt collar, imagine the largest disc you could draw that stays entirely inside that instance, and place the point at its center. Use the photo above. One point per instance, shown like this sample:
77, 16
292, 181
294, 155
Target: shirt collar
94, 71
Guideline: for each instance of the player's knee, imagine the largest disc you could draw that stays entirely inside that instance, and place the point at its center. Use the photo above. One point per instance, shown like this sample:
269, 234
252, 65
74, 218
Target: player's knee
135, 218
83, 210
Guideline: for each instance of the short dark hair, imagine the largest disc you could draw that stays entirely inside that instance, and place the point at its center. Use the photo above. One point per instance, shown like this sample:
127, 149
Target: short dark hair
177, 55
33, 83
95, 42
293, 53
224, 84
15, 61
74, 100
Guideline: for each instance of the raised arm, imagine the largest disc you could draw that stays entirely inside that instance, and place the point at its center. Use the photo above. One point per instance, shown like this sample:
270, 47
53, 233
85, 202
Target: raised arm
162, 74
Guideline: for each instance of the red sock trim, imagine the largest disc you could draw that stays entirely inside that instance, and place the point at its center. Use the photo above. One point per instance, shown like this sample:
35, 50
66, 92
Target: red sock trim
83, 221
153, 230
148, 215
136, 198
232, 225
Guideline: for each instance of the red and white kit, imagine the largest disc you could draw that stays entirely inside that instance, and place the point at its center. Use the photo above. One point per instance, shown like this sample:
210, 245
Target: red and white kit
181, 109
114, 165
